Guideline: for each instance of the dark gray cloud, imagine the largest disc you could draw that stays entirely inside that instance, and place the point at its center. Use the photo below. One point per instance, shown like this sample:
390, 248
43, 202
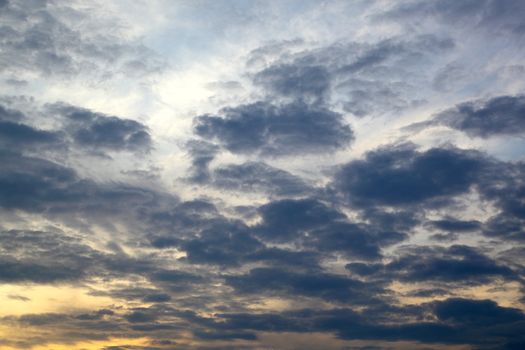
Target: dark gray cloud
78, 128
18, 136
324, 229
43, 257
394, 220
476, 312
140, 317
249, 176
400, 175
455, 321
37, 185
503, 185
361, 241
443, 331
289, 219
497, 116
202, 154
270, 130
221, 245
231, 244
457, 264
280, 282
225, 335
98, 131
505, 227
15, 134
319, 229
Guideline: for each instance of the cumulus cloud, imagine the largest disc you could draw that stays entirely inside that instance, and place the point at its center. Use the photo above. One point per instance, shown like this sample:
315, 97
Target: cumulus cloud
401, 175
269, 130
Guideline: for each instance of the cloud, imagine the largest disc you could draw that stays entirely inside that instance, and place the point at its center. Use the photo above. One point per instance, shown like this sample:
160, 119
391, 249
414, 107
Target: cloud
40, 186
48, 39
359, 241
42, 257
258, 177
378, 78
282, 257
280, 282
479, 324
202, 154
324, 229
250, 176
503, 185
77, 128
457, 263
16, 135
269, 130
140, 317
299, 82
497, 116
232, 244
476, 312
34, 184
494, 16
288, 219
364, 78
225, 335
401, 176
157, 298
98, 131
450, 326
221, 245
505, 227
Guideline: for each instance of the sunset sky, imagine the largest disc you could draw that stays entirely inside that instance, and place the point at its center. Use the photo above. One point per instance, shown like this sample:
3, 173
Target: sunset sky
278, 174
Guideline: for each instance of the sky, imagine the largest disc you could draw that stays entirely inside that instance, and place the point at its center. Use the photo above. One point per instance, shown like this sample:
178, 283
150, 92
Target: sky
276, 174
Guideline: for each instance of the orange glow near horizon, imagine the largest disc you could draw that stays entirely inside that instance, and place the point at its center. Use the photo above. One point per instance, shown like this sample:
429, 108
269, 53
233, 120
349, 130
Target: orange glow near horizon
88, 345
23, 299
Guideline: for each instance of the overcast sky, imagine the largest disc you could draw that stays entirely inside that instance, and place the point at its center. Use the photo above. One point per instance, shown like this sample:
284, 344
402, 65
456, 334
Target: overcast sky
280, 174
